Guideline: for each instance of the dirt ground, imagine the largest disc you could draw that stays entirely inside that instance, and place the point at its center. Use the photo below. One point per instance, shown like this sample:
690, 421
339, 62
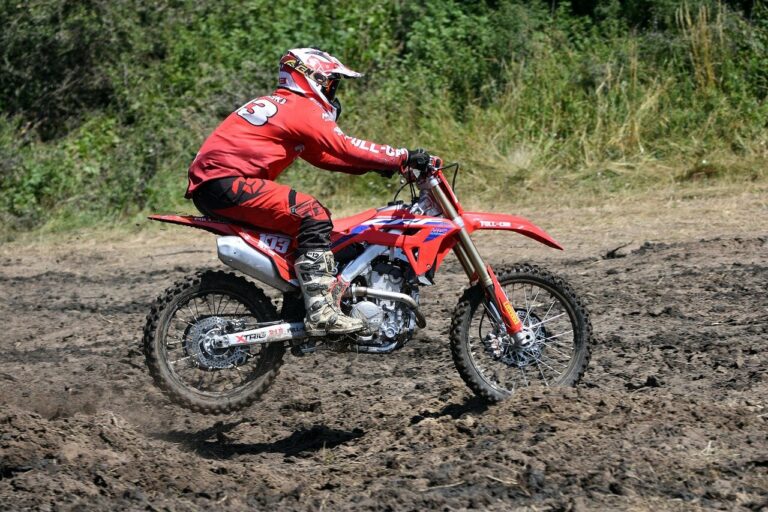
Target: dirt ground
671, 414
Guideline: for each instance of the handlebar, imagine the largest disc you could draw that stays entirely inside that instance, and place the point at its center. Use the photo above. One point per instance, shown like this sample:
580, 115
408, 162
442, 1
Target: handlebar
412, 175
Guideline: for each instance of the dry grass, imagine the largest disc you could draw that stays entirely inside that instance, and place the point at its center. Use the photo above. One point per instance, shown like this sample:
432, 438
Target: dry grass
704, 38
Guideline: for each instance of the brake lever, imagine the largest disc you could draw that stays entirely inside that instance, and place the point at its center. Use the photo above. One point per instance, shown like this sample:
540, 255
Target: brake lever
410, 176
418, 175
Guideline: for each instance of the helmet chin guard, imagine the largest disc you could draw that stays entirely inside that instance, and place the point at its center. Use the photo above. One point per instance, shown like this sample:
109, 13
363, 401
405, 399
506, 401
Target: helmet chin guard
315, 74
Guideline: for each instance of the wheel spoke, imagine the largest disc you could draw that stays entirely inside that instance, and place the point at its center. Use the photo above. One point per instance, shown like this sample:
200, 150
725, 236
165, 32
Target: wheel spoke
555, 336
552, 361
185, 358
542, 373
240, 373
550, 309
207, 301
551, 347
222, 305
542, 322
528, 309
197, 311
194, 317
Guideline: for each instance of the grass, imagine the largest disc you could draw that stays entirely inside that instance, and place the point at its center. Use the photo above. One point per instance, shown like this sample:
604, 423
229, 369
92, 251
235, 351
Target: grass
576, 111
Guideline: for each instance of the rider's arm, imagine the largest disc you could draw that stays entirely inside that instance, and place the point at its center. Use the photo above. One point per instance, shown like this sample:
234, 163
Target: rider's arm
329, 162
326, 146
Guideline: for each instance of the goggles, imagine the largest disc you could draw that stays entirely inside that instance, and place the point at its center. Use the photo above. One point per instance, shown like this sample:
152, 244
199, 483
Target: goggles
323, 80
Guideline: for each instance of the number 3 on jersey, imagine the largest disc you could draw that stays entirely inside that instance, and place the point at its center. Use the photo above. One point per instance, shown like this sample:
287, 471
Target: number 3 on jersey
258, 111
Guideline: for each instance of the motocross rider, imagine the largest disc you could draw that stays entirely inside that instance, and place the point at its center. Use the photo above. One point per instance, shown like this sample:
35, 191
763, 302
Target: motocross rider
233, 174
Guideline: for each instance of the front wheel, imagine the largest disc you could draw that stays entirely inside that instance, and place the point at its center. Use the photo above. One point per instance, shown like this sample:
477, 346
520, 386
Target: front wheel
490, 361
183, 361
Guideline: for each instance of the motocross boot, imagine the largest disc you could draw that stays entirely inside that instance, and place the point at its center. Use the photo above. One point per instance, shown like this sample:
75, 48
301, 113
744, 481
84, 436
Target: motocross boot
322, 295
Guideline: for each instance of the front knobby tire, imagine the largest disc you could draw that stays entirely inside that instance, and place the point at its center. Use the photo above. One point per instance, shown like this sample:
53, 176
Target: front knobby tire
213, 382
491, 366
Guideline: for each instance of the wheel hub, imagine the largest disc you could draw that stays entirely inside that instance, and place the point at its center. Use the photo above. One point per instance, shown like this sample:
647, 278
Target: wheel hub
524, 350
199, 343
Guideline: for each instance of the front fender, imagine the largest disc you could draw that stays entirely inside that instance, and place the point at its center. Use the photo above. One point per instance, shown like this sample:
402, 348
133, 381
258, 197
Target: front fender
499, 221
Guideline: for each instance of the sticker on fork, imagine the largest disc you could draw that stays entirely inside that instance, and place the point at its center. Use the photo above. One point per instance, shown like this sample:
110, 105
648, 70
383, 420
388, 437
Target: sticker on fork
516, 324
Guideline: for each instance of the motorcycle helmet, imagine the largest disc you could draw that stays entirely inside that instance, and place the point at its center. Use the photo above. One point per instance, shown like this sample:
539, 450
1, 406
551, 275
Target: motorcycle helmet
314, 74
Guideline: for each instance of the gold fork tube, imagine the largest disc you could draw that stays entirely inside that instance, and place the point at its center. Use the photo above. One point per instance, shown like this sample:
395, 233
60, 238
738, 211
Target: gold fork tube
466, 250
473, 263
464, 260
470, 258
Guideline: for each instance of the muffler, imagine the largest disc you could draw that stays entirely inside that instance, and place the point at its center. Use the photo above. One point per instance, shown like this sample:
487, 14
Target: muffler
236, 253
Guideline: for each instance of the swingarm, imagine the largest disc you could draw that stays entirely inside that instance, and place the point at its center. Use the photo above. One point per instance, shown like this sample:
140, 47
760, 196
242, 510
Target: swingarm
272, 333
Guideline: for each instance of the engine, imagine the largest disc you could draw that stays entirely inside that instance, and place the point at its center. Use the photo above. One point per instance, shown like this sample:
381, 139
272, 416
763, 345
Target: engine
389, 323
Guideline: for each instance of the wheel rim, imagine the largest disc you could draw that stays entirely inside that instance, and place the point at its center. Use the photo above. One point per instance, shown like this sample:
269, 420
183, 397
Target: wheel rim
189, 356
547, 360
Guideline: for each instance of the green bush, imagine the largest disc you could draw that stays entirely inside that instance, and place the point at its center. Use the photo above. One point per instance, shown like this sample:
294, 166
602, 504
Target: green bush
103, 104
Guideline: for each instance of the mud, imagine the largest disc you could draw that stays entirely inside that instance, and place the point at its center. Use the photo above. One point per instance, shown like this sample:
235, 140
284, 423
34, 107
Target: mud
671, 414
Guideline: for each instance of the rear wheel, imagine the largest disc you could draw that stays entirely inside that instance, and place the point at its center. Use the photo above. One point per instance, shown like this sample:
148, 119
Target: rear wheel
182, 360
490, 361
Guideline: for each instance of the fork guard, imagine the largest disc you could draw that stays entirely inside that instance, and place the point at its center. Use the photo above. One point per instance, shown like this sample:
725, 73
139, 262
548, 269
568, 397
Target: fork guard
498, 221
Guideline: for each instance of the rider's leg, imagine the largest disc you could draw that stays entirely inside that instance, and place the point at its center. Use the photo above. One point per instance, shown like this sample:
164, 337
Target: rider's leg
316, 270
273, 206
322, 291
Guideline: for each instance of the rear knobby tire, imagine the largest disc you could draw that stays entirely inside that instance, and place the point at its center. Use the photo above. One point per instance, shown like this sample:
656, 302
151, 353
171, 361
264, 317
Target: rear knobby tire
468, 349
260, 370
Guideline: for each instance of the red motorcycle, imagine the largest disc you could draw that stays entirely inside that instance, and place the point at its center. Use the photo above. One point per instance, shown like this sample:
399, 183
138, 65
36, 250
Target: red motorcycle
215, 342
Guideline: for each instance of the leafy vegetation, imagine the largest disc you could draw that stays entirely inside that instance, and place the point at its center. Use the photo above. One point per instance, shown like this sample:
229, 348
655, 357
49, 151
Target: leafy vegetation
103, 104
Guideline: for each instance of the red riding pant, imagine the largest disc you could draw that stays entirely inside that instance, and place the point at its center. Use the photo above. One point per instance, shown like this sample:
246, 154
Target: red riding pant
268, 205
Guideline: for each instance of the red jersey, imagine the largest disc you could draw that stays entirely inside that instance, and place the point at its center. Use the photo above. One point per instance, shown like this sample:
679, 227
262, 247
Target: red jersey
264, 136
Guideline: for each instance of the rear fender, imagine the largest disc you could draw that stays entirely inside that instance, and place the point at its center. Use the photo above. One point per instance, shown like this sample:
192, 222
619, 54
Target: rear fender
279, 248
499, 221
207, 223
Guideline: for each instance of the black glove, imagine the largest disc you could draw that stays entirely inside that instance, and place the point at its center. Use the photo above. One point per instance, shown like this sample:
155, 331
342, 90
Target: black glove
418, 159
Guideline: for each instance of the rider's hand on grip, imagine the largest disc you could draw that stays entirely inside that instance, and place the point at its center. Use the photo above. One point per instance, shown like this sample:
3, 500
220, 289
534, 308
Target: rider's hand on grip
418, 159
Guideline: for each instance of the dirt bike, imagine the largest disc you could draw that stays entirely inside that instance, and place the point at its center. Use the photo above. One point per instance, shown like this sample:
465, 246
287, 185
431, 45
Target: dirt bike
214, 342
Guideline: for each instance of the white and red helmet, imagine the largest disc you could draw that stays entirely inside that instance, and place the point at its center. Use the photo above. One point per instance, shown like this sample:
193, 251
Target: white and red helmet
315, 74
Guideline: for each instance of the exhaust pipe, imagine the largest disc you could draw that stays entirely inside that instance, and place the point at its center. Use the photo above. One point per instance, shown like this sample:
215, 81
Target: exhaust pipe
363, 291
236, 253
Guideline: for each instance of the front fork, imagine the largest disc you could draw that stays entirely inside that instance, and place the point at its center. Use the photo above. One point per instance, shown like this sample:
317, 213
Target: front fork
497, 304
